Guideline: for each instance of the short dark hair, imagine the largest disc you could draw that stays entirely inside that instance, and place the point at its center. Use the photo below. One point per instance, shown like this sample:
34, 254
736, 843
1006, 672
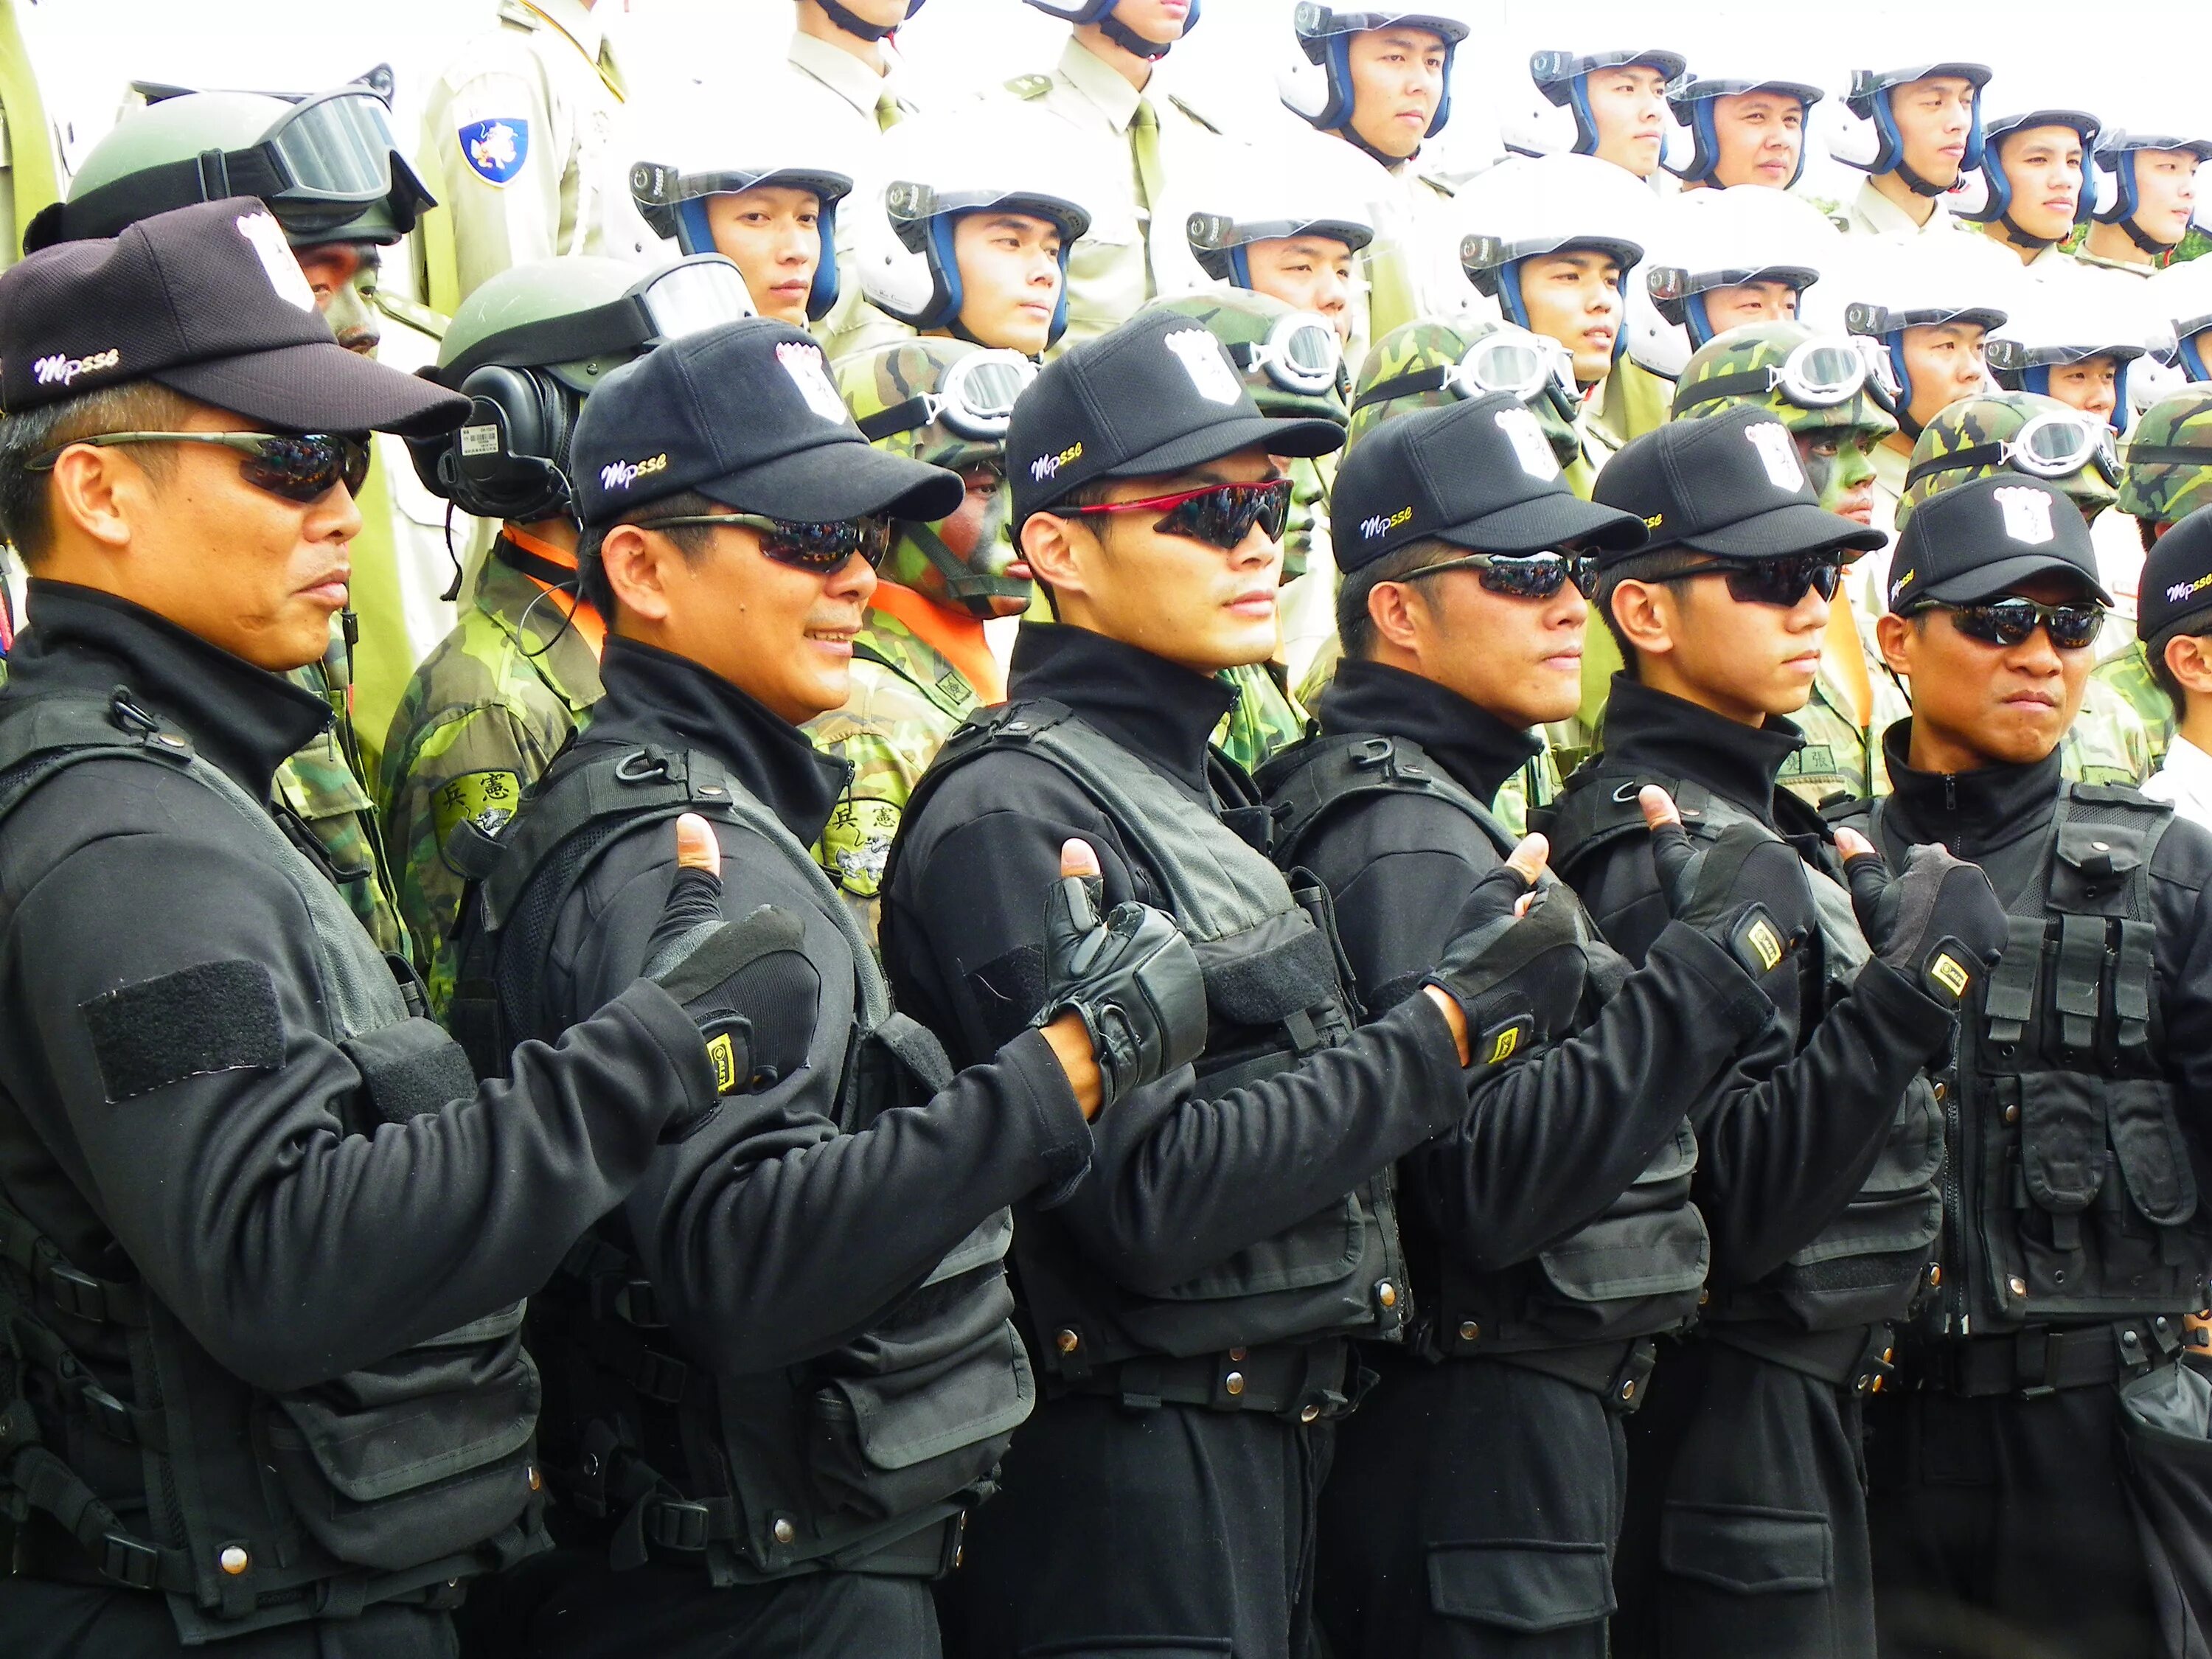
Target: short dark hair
1355, 628
2190, 628
691, 541
1650, 564
27, 521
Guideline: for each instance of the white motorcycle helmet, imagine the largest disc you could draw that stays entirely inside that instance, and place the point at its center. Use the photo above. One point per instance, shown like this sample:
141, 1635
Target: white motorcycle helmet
1865, 134
1557, 120
2054, 323
1560, 204
1914, 282
1101, 12
1254, 204
1017, 160
2180, 298
1713, 239
1692, 149
1318, 87
1985, 193
2114, 197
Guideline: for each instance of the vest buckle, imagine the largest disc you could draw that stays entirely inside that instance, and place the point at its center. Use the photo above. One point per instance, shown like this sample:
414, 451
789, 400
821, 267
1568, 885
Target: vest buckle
127, 1561
677, 1526
75, 1293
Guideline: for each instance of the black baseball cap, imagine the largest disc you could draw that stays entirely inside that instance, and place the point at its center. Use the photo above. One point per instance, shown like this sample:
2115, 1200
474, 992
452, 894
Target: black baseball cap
1730, 485
208, 301
2176, 577
1480, 475
1973, 542
746, 413
1159, 394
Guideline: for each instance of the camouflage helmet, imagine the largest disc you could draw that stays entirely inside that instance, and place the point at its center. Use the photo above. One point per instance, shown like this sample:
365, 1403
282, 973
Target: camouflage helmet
1424, 352
2161, 481
327, 166
1292, 362
1708, 383
1993, 418
901, 375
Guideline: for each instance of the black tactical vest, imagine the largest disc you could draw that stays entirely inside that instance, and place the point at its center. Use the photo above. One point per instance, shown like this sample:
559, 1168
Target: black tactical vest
1275, 996
1871, 1264
862, 1458
384, 1484
1636, 1270
2070, 1193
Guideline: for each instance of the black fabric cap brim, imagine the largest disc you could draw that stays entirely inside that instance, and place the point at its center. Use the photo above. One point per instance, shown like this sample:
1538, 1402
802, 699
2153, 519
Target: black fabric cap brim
841, 479
1300, 439
1986, 582
1548, 521
1799, 527
319, 387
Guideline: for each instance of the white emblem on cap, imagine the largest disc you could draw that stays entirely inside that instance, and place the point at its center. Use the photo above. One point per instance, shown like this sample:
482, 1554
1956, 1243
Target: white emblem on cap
1778, 450
1206, 363
1530, 447
811, 376
266, 237
2026, 515
58, 370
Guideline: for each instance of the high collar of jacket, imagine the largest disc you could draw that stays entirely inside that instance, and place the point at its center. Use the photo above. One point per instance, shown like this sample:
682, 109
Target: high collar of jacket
244, 719
1156, 709
1479, 751
657, 697
1649, 731
1970, 813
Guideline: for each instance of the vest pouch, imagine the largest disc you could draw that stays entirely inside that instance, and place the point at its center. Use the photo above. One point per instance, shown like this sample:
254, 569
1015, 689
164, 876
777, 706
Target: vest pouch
410, 1069
1639, 1264
899, 1063
2064, 1159
884, 1446
1272, 996
425, 1456
1866, 1265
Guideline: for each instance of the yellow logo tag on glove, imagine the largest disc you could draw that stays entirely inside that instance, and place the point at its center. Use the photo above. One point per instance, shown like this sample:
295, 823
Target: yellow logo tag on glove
1767, 943
1948, 971
722, 1056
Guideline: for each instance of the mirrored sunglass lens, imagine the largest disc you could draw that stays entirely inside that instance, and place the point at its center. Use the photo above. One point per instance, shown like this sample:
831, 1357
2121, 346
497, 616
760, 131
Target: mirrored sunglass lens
1785, 581
1537, 576
692, 298
303, 469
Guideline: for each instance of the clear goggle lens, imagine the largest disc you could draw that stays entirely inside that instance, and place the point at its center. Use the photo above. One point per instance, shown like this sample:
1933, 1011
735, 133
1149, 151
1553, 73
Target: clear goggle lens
702, 291
337, 147
1300, 355
979, 394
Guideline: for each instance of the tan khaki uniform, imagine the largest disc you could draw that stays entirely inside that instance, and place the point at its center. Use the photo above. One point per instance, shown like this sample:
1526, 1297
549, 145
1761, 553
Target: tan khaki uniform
1870, 213
844, 97
1412, 268
524, 147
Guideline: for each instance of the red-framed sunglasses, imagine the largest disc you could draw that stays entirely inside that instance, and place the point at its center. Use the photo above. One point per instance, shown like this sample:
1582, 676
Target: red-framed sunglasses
1219, 514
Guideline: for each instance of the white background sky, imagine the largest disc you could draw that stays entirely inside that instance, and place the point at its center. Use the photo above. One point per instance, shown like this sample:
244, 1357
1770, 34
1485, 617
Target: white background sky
2125, 61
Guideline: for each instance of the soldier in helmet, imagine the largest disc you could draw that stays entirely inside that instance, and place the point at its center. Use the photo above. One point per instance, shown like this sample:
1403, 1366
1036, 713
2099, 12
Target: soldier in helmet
1272, 242
920, 662
330, 171
1611, 105
1746, 128
1815, 384
501, 695
2145, 199
1914, 130
2021, 434
2168, 476
2034, 163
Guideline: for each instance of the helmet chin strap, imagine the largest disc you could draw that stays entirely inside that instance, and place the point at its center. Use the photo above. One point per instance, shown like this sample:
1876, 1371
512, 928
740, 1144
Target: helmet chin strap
1350, 135
964, 585
2020, 236
1919, 185
1129, 40
2148, 244
851, 24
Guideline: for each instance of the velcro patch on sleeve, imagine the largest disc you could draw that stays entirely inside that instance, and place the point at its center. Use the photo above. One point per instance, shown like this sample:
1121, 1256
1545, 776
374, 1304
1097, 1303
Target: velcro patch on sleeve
212, 1017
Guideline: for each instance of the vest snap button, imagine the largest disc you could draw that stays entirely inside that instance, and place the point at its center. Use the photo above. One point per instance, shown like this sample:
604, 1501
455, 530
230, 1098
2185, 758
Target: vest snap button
1628, 1389
535, 1480
1703, 1297
2012, 1113
784, 1531
1935, 1276
1309, 1413
234, 1560
1237, 1356
1470, 1331
2016, 1284
1940, 1092
1066, 1341
1234, 1382
1387, 1294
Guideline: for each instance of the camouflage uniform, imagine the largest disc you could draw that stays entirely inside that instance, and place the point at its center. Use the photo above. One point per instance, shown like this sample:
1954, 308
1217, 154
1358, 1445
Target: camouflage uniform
2127, 675
482, 716
321, 785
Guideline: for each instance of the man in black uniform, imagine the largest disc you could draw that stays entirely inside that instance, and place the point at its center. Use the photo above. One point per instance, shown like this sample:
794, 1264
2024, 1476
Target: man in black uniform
1190, 1305
1474, 1505
2042, 1488
788, 1363
263, 1240
1818, 1156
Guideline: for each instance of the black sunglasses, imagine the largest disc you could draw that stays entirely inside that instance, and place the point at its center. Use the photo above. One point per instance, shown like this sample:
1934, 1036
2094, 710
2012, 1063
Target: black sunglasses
820, 547
1525, 575
300, 467
1783, 581
2013, 622
1220, 515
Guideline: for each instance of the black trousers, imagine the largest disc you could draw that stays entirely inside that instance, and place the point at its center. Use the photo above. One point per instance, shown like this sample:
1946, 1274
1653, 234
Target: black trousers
1174, 1532
1471, 1514
40, 1620
1747, 1531
2001, 1526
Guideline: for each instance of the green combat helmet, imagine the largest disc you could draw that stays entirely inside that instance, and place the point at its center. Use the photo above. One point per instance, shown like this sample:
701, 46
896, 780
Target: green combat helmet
1751, 367
1962, 444
326, 165
946, 402
2168, 470
1419, 365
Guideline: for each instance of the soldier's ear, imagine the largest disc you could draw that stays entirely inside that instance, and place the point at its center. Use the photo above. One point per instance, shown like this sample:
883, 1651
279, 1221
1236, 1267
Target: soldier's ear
1053, 547
1646, 615
1894, 635
2188, 659
635, 562
1391, 607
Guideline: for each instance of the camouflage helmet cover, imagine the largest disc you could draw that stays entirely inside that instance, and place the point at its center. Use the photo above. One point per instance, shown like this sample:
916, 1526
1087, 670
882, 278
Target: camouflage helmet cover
1990, 418
1431, 343
2158, 483
1242, 320
873, 381
1760, 346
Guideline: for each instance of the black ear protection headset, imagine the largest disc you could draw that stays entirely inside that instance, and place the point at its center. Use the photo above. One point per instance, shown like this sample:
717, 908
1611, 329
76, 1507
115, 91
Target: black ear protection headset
509, 459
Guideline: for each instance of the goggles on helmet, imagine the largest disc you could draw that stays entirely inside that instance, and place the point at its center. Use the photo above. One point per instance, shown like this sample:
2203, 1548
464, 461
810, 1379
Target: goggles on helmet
2053, 446
975, 403
2008, 354
1300, 355
701, 292
1818, 373
1508, 360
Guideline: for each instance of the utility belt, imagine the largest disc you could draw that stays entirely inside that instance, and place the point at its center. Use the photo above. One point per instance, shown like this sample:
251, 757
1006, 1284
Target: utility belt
2040, 1360
1618, 1373
1861, 1360
1300, 1382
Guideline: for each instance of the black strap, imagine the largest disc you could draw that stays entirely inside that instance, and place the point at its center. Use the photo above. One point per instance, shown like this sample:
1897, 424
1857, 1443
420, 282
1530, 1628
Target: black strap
1313, 779
2009, 1001
536, 566
1410, 384
1745, 383
2039, 1361
2169, 455
908, 417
